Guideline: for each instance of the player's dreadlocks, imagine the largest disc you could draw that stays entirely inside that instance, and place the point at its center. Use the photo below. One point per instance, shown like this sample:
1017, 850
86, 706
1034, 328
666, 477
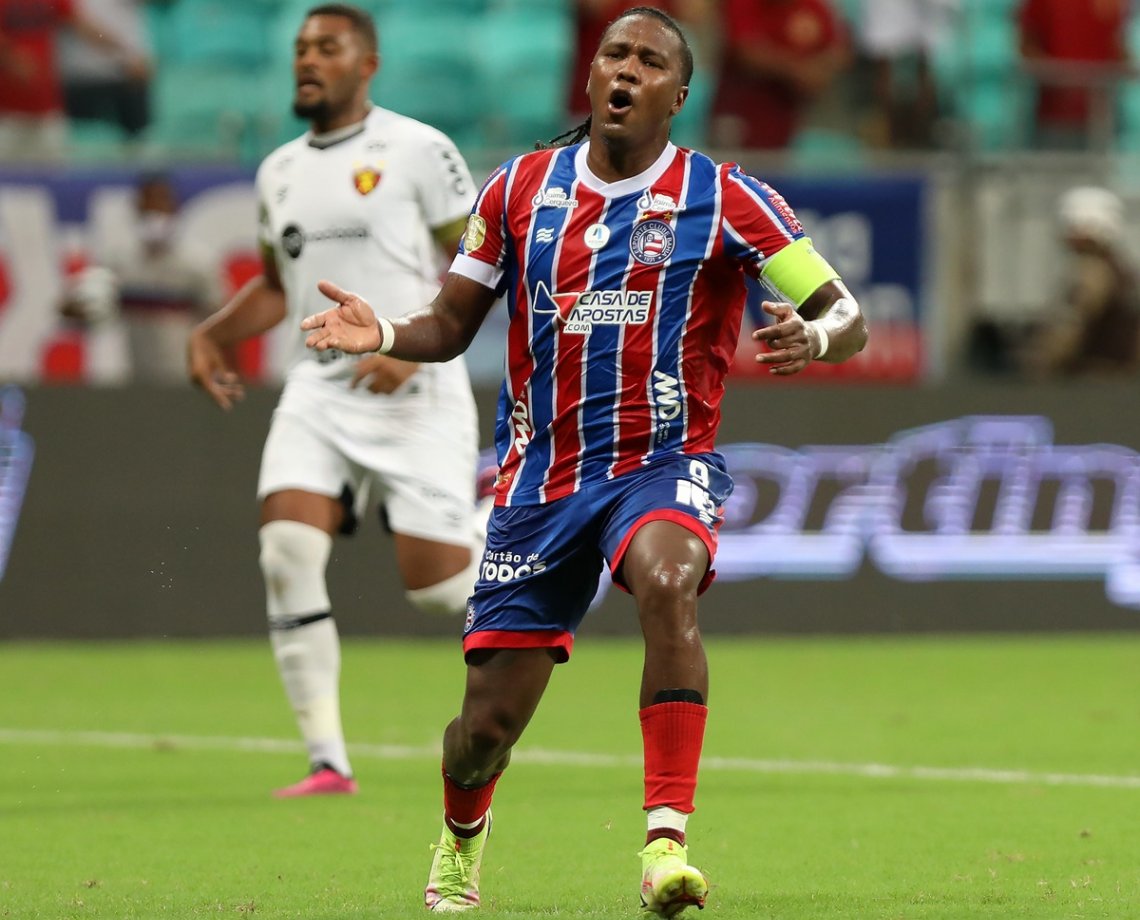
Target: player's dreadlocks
580, 132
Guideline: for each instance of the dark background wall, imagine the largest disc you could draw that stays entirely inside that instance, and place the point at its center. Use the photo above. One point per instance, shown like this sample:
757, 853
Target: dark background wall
140, 520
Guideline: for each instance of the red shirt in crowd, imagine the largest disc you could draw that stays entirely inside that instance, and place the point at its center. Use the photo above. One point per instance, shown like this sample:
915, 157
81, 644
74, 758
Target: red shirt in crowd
769, 107
1089, 31
27, 33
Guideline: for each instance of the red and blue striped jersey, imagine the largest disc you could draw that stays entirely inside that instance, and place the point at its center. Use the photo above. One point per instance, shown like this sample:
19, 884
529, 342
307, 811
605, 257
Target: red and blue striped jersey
625, 303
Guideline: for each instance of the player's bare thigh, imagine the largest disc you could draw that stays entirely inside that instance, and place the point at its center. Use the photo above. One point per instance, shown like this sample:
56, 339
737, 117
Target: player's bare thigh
320, 511
423, 563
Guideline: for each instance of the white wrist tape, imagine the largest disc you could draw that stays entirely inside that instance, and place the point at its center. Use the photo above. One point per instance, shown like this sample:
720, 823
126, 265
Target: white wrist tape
387, 335
823, 339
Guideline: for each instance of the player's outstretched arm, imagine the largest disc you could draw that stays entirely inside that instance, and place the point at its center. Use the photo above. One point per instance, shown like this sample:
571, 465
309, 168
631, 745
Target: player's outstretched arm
828, 327
438, 332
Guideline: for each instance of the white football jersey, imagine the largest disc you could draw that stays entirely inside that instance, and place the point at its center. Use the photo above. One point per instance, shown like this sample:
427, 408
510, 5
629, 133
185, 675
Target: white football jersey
358, 210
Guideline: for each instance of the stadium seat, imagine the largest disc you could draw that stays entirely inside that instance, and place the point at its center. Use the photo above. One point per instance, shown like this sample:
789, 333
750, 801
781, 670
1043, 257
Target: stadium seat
224, 115
822, 149
217, 32
524, 61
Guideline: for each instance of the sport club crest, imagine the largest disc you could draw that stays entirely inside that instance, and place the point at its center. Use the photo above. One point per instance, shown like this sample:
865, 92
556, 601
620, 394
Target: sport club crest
652, 242
366, 179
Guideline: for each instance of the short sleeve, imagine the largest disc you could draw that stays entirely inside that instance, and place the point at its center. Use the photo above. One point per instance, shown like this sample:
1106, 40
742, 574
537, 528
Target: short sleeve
264, 225
483, 249
443, 181
756, 221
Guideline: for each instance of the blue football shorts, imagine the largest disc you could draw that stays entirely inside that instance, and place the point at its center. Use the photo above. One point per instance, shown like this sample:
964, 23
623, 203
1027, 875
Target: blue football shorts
542, 562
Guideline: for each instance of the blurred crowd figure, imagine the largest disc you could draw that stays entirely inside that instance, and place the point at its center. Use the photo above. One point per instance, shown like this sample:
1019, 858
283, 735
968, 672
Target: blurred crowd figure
899, 40
1076, 52
103, 84
1095, 331
33, 123
777, 58
149, 289
885, 74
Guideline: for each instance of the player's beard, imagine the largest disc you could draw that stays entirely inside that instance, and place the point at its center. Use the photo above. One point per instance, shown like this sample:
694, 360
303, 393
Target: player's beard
319, 111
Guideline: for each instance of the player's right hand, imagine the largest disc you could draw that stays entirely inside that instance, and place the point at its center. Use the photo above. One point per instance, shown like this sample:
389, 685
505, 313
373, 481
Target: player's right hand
208, 368
350, 326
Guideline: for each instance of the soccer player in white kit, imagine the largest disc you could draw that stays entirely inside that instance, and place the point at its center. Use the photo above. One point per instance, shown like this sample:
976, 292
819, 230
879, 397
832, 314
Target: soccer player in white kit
377, 199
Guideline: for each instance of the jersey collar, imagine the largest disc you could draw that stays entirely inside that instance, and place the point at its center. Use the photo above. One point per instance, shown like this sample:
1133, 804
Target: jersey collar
622, 186
331, 138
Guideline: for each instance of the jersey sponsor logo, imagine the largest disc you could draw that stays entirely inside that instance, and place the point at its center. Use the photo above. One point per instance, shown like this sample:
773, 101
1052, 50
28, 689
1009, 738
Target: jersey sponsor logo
597, 235
657, 204
652, 242
366, 179
555, 197
520, 423
781, 207
578, 312
455, 167
503, 565
667, 395
475, 234
294, 239
544, 235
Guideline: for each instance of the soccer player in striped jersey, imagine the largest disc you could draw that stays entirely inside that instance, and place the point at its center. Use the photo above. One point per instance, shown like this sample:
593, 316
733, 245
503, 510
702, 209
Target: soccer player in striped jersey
622, 259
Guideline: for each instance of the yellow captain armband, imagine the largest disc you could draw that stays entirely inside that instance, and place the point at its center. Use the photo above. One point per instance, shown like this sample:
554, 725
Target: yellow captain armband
797, 271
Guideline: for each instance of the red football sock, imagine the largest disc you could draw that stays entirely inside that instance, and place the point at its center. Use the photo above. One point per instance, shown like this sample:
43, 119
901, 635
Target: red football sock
673, 734
463, 808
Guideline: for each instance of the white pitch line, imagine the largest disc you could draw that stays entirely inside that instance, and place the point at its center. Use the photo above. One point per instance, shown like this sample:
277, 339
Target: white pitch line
571, 758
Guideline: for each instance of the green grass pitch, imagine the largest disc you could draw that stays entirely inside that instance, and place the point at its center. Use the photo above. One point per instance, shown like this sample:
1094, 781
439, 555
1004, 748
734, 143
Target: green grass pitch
892, 778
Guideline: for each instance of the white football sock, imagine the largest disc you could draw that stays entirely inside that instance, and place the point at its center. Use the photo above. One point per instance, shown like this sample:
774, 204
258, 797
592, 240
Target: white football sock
304, 635
664, 816
308, 660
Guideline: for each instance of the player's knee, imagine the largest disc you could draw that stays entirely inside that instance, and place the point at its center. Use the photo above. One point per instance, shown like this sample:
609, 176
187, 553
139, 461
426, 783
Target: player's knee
448, 596
293, 560
490, 734
665, 582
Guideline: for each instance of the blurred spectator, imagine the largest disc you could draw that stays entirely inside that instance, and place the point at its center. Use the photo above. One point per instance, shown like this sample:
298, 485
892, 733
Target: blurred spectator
153, 286
32, 123
100, 84
591, 19
1097, 332
777, 57
1076, 50
899, 37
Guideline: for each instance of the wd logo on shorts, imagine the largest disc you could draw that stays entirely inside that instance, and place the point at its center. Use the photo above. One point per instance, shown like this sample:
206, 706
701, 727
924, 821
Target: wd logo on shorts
652, 242
580, 311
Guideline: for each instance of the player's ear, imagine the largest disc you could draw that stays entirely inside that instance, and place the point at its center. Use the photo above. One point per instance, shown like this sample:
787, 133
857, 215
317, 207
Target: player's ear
370, 65
679, 101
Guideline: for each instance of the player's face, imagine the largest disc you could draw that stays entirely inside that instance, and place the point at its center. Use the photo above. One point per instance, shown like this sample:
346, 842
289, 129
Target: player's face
635, 83
330, 63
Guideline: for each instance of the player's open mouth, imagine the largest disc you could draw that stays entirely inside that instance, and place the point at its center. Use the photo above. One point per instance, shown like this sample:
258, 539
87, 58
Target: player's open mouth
308, 81
620, 102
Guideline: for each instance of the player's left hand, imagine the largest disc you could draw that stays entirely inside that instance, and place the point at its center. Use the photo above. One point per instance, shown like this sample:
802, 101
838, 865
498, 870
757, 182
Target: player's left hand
350, 326
791, 346
382, 374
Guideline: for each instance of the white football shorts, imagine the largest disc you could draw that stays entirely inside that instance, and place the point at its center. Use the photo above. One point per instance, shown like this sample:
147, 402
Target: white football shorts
415, 449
